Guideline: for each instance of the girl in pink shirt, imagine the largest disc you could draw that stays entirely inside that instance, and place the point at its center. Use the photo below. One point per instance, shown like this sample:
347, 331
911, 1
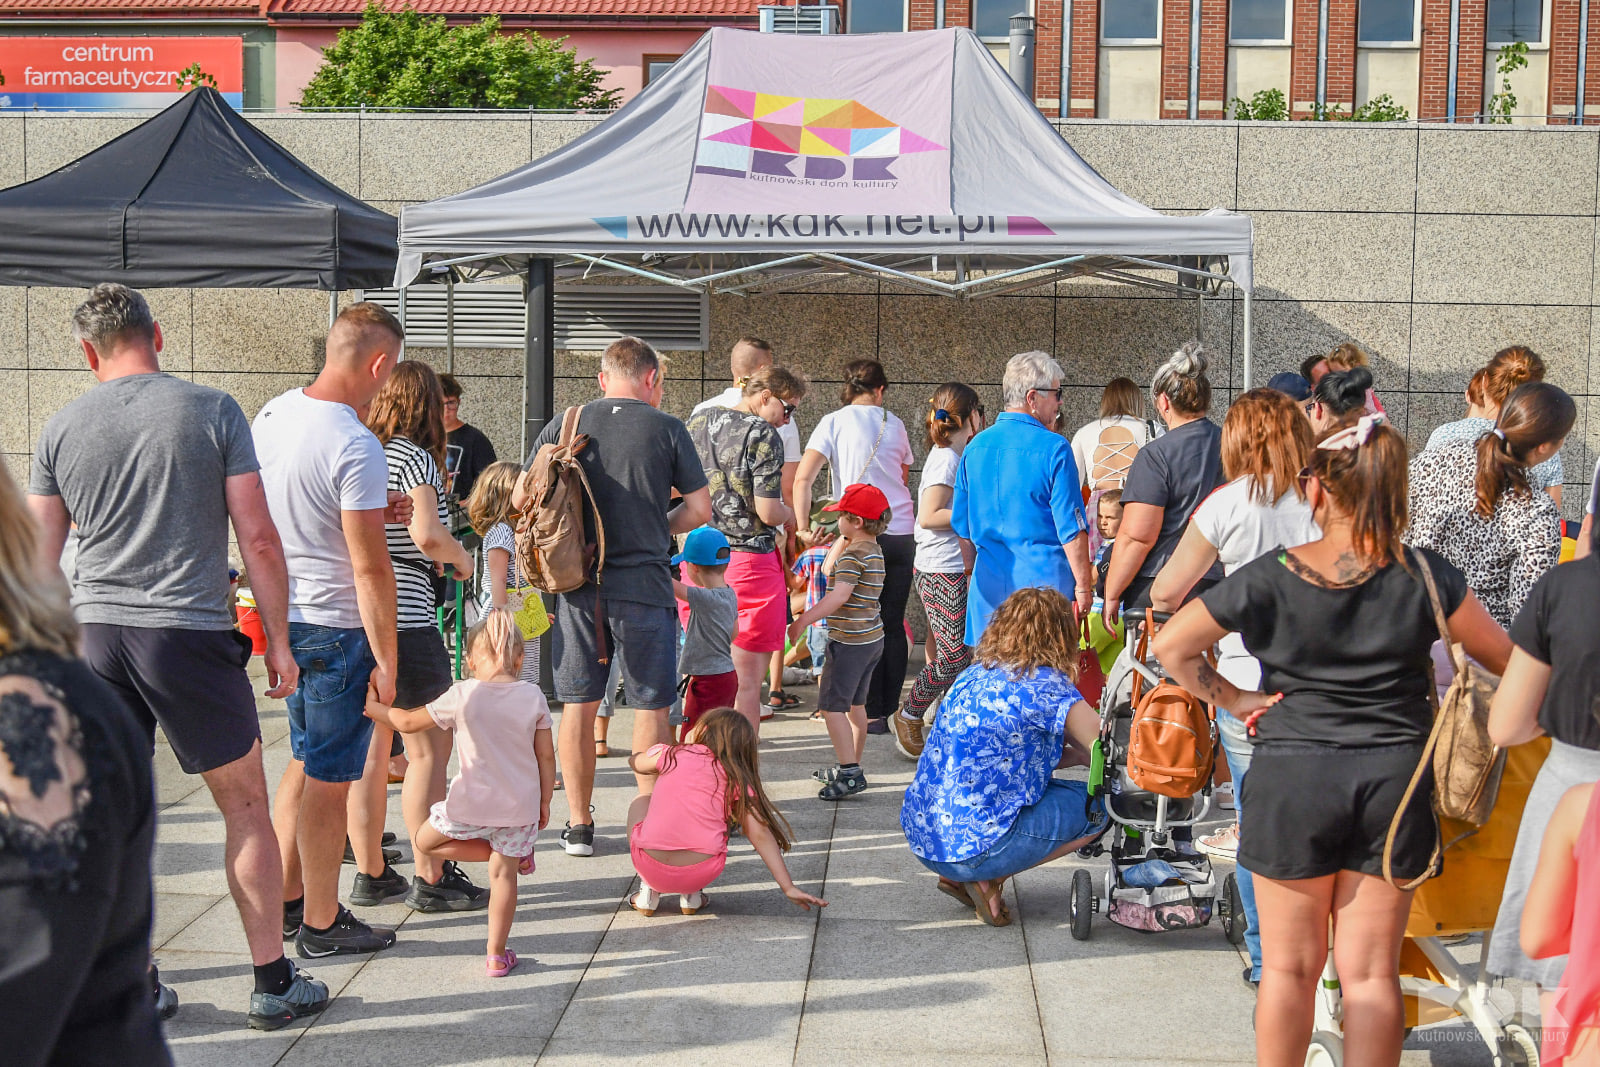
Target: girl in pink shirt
500, 800
679, 832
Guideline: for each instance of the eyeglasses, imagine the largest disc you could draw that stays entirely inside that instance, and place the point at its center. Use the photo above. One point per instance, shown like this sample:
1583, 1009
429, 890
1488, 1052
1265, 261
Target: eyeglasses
1056, 392
789, 409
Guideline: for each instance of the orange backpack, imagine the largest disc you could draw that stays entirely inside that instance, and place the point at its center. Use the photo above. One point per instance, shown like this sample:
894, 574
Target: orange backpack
1171, 747
552, 549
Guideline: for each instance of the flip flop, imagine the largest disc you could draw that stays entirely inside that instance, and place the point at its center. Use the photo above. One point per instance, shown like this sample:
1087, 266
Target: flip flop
990, 907
957, 892
500, 966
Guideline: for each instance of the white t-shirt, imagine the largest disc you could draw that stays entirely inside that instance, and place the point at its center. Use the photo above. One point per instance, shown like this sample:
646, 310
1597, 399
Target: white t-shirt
318, 460
938, 551
1242, 530
1083, 442
731, 396
846, 438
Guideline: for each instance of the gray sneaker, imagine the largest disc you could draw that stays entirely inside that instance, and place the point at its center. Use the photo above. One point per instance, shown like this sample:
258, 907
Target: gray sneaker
273, 1011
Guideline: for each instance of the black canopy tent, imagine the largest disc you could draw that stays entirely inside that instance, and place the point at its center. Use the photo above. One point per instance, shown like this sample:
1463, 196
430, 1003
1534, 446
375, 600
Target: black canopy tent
195, 197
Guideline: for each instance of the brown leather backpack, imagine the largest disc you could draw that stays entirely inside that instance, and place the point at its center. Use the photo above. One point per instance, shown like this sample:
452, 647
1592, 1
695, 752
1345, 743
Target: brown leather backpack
552, 549
1171, 748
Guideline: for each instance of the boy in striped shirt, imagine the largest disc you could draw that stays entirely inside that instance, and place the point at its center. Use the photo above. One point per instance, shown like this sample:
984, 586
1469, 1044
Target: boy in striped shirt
855, 634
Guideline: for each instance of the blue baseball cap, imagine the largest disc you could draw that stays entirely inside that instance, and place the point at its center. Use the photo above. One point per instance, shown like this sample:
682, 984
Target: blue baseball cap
704, 547
1290, 383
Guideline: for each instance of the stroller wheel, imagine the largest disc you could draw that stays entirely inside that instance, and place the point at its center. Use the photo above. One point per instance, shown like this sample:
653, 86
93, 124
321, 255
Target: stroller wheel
1231, 908
1518, 1046
1082, 906
1326, 1050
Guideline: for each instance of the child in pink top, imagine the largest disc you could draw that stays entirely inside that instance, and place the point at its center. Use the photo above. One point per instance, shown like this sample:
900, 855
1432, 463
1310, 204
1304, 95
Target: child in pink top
1560, 919
500, 799
679, 832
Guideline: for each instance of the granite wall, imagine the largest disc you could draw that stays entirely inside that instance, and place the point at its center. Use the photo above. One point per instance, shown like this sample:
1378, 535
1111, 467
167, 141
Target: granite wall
1429, 246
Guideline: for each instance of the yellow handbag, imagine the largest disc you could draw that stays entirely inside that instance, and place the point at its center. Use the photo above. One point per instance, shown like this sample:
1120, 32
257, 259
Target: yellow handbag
527, 608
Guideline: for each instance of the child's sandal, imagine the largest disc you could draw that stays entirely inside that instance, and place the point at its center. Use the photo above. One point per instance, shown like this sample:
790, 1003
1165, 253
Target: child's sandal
645, 902
692, 903
526, 864
500, 966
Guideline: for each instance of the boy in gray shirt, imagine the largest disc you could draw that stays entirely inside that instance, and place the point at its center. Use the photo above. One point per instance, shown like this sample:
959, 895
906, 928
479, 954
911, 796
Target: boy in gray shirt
706, 659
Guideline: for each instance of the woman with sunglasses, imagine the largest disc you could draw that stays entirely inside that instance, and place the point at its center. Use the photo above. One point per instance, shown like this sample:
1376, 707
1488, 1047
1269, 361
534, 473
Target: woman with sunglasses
742, 453
1168, 479
1342, 627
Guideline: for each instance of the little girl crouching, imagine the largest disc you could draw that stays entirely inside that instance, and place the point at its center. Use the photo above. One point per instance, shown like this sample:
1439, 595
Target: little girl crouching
500, 800
678, 834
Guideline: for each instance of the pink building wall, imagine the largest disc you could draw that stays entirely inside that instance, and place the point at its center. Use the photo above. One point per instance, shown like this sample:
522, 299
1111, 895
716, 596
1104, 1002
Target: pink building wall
619, 51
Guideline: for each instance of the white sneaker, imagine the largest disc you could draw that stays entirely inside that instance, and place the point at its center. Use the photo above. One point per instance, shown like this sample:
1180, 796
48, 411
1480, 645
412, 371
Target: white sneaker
1224, 844
1223, 795
796, 676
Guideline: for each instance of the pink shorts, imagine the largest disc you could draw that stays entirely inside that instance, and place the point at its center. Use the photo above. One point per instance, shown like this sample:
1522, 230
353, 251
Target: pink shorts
763, 600
514, 841
667, 878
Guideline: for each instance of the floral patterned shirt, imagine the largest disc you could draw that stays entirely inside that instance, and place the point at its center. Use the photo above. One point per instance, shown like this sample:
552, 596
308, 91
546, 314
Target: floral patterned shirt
991, 752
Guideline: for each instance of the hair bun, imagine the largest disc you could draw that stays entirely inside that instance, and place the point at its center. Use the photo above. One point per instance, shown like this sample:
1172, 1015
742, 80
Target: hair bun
1190, 361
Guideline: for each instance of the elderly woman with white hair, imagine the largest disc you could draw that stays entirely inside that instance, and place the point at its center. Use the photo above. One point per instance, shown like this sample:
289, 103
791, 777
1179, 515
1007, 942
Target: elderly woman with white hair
1017, 505
1168, 479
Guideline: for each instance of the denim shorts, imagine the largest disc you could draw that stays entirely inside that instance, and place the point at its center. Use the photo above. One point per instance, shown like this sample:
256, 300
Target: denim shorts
328, 728
1059, 816
644, 637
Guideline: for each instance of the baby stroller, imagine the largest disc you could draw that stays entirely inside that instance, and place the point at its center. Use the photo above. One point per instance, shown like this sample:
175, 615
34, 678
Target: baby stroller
1462, 900
1153, 881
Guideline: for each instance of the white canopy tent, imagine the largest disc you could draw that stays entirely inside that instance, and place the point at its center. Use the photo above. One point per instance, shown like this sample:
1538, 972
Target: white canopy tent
761, 161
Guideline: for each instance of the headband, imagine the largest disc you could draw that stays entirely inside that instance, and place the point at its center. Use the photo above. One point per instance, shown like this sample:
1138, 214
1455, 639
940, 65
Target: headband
1353, 437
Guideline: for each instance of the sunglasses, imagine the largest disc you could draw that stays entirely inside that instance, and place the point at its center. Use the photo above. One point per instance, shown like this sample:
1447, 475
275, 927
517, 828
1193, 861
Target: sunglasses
789, 409
1056, 392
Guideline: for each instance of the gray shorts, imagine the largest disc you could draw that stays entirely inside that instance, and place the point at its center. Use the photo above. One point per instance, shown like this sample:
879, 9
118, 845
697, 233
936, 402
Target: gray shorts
847, 674
642, 636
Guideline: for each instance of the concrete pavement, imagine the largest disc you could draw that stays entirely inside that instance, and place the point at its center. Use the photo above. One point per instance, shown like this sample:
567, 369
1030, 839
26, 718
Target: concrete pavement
891, 973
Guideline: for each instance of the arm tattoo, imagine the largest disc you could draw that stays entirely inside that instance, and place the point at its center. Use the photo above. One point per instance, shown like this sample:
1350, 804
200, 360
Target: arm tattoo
1210, 681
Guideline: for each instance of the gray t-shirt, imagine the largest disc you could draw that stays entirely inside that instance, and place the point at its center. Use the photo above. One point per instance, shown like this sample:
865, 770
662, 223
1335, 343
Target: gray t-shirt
708, 639
635, 457
140, 463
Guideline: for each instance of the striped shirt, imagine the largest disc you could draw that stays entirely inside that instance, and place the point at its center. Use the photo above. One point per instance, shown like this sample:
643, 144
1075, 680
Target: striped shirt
409, 467
857, 621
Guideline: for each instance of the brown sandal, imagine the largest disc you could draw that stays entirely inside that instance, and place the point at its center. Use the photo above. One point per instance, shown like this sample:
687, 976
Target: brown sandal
990, 907
956, 891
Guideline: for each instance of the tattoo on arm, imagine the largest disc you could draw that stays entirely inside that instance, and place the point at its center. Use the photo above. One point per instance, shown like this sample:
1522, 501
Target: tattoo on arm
1210, 681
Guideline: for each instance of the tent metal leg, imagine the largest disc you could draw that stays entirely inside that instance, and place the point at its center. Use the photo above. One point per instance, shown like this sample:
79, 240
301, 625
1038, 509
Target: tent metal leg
450, 323
538, 350
1247, 332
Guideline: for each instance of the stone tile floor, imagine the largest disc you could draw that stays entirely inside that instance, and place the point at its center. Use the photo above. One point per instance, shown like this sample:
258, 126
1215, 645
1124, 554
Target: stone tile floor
891, 973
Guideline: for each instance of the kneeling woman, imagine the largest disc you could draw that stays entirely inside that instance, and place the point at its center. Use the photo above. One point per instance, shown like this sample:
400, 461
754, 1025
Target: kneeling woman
983, 805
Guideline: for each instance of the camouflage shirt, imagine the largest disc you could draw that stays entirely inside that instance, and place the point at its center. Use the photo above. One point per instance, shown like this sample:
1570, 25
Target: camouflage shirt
743, 458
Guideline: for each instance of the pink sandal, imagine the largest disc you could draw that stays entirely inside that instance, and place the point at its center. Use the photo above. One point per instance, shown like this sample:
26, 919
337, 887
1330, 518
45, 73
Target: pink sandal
500, 966
526, 864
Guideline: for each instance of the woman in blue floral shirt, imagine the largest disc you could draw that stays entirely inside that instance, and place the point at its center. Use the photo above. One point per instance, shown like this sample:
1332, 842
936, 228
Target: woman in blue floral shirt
983, 805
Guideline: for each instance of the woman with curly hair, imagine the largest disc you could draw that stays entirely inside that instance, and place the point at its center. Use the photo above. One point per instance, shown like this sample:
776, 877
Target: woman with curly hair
984, 805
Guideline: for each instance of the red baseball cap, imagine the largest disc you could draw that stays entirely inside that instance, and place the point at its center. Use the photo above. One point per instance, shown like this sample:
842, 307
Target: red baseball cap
863, 501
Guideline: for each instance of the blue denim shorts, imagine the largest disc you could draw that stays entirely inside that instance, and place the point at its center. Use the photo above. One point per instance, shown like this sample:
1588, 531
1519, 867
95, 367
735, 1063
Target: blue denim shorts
1059, 816
644, 637
328, 728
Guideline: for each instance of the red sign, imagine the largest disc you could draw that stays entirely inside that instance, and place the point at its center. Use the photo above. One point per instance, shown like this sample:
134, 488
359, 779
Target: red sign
113, 71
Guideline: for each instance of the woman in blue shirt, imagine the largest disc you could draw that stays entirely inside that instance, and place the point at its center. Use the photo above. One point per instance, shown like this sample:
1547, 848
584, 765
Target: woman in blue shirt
984, 805
1018, 502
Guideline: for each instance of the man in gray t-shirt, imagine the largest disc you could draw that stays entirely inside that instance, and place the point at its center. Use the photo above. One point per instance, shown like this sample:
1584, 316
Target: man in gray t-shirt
151, 469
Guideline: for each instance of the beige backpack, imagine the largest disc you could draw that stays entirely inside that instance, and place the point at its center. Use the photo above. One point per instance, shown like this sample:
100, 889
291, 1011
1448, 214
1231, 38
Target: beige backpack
552, 549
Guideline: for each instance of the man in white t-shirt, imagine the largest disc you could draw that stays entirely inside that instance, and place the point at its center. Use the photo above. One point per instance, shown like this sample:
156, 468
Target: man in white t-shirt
327, 489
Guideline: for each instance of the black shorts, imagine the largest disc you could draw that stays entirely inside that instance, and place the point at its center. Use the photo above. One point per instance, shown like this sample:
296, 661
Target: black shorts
422, 672
192, 682
847, 675
1317, 809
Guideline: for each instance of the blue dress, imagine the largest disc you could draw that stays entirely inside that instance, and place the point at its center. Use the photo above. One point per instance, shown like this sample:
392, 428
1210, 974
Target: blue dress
1018, 500
991, 753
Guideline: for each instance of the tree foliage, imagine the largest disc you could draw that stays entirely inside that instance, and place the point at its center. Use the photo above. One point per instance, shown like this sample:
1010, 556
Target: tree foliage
402, 59
1511, 58
1270, 105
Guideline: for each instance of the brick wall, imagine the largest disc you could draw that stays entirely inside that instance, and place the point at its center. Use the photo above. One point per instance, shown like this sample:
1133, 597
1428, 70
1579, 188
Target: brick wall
1213, 58
1303, 67
921, 15
1434, 98
1341, 53
1564, 40
1175, 24
1047, 56
1085, 59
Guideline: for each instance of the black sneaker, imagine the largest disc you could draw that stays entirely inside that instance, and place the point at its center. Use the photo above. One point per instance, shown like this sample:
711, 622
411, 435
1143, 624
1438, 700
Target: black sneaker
390, 855
349, 936
294, 912
166, 1002
844, 784
453, 891
369, 892
578, 840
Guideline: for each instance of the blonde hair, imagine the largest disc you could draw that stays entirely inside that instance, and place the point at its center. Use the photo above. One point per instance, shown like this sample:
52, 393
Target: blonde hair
496, 636
33, 610
1034, 628
490, 500
1347, 357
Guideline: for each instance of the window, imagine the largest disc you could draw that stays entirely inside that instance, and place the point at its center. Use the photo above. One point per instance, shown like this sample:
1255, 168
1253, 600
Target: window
876, 16
1516, 20
655, 66
1387, 22
1258, 21
1131, 22
991, 19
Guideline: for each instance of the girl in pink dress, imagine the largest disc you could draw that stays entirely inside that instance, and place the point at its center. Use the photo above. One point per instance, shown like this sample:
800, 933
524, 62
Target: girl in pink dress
1560, 919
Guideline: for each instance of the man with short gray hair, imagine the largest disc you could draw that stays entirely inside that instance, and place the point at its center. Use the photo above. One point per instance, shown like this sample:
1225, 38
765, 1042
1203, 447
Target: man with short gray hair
151, 469
1017, 506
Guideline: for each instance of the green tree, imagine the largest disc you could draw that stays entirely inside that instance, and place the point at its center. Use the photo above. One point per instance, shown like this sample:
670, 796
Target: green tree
1511, 57
192, 77
1268, 105
402, 59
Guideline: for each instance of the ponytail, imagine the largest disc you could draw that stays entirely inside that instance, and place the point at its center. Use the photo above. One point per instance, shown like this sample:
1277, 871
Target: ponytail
949, 409
1369, 483
1535, 414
